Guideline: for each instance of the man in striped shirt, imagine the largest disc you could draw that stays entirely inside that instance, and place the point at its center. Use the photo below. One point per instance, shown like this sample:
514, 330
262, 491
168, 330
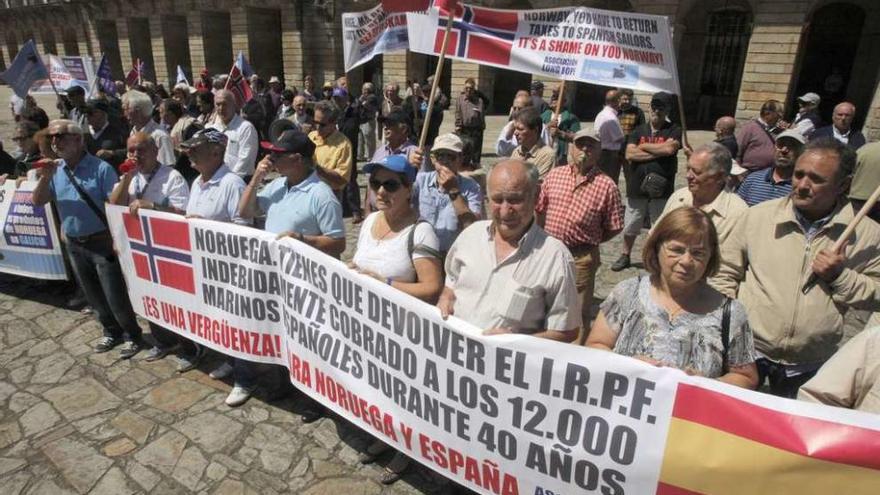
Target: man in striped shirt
775, 182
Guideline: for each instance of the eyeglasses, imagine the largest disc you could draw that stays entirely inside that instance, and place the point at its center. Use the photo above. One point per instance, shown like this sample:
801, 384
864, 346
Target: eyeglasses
444, 156
322, 124
677, 251
390, 185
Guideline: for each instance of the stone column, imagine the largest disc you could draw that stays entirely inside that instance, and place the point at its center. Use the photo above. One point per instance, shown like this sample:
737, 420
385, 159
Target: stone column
196, 42
124, 44
157, 42
239, 24
771, 57
292, 46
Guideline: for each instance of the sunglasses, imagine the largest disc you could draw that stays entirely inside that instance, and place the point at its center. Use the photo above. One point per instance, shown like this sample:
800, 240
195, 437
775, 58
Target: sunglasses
322, 124
390, 185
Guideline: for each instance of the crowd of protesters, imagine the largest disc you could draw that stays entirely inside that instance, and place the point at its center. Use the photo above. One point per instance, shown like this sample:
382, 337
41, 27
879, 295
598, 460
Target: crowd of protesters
729, 259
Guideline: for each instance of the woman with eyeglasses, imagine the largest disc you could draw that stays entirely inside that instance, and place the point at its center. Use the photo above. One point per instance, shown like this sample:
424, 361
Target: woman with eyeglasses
672, 317
396, 248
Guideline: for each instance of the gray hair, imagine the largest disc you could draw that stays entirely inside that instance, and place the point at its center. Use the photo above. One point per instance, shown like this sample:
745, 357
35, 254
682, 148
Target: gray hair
531, 172
329, 109
70, 126
719, 157
138, 101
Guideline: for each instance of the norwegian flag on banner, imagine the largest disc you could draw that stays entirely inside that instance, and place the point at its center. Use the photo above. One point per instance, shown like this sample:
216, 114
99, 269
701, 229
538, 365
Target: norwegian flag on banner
478, 34
160, 251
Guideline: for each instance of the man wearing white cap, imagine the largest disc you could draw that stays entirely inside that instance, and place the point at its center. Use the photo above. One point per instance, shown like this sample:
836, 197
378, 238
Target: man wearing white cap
447, 200
775, 182
581, 206
807, 119
708, 168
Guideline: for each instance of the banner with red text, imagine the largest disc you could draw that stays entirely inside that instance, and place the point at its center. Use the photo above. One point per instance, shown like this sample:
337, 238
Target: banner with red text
608, 48
370, 33
30, 245
505, 414
66, 72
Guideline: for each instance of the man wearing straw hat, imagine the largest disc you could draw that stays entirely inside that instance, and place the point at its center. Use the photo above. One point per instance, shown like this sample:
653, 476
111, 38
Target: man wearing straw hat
783, 243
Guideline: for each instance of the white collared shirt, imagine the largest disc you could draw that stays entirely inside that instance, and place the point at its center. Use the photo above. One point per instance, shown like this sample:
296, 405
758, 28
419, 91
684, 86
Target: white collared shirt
244, 142
217, 198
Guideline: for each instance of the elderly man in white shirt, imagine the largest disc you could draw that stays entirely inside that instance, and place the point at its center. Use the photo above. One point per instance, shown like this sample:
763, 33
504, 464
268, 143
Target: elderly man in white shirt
138, 109
148, 184
610, 135
507, 275
244, 140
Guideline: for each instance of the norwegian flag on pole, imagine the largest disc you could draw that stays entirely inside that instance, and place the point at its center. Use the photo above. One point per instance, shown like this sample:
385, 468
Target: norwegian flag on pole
239, 86
136, 74
160, 251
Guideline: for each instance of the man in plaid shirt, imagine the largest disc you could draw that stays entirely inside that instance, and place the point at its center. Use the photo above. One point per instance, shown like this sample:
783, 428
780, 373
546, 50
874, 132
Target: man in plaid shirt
581, 206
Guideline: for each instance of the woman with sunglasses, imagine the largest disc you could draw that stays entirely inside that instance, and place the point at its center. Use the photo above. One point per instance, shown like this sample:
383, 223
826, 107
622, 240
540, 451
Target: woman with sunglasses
673, 317
396, 248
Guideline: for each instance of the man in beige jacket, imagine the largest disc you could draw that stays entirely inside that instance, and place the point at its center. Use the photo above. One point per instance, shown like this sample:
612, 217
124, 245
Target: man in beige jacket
851, 378
779, 245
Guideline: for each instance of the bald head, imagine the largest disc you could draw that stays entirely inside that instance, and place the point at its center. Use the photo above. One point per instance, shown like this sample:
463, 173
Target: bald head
521, 101
512, 187
142, 149
725, 126
612, 98
843, 116
516, 174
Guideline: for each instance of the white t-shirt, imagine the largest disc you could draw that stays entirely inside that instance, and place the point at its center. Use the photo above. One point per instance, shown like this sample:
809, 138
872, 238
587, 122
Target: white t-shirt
390, 257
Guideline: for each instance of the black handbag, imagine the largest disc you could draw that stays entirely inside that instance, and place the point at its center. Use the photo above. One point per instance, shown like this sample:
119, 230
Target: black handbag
654, 185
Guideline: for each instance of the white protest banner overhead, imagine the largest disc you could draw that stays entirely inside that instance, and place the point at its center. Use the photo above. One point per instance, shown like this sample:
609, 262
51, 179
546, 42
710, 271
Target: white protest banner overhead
66, 72
609, 48
508, 414
370, 33
30, 243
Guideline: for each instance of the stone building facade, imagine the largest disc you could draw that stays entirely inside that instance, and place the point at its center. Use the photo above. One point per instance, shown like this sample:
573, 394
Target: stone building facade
732, 54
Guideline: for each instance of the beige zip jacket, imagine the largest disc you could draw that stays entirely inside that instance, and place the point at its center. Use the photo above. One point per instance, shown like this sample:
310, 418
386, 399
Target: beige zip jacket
851, 378
767, 261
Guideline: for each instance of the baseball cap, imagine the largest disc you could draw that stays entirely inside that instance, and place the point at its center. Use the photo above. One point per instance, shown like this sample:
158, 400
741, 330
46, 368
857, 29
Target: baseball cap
205, 136
811, 98
394, 163
97, 104
274, 79
662, 100
328, 85
587, 133
793, 134
449, 142
537, 85
340, 92
291, 141
75, 90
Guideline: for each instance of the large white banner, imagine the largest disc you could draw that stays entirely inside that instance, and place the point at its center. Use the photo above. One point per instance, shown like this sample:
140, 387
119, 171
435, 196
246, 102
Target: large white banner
370, 33
29, 245
504, 414
609, 48
66, 72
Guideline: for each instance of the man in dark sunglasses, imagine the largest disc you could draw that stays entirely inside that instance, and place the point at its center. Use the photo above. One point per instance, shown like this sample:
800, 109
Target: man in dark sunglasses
80, 184
333, 151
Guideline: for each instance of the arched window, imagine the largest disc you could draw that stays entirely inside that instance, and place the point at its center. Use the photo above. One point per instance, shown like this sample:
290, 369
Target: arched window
727, 39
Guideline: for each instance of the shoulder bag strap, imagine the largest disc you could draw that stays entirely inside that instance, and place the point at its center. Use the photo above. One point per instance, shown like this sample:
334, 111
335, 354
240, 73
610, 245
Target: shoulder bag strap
725, 334
85, 197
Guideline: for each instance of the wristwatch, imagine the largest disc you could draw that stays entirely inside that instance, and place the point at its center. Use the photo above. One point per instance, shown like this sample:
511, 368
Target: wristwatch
453, 195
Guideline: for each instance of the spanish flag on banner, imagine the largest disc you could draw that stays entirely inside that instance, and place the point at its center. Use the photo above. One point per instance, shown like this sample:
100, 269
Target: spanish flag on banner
718, 444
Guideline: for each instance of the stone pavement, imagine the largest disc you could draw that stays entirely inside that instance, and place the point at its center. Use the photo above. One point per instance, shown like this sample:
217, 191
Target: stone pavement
72, 421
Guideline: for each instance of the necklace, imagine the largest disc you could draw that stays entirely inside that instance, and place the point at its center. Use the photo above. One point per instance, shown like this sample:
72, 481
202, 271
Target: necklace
390, 229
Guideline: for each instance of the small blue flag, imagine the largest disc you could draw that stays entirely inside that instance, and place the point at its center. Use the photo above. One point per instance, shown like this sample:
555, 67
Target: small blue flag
181, 76
25, 70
